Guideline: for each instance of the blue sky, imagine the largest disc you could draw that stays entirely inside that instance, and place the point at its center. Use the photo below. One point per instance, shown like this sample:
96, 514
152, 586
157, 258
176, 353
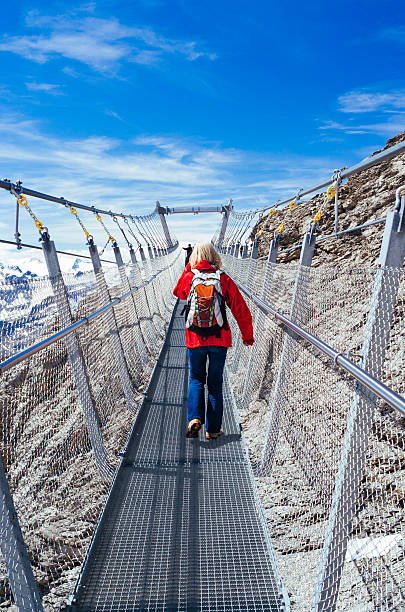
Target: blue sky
120, 104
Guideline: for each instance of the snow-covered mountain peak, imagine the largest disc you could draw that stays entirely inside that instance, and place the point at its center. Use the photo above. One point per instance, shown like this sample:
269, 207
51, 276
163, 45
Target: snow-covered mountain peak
23, 267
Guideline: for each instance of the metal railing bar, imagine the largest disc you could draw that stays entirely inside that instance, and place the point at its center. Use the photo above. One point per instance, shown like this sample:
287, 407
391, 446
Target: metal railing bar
12, 361
50, 198
170, 210
328, 236
363, 165
352, 229
385, 393
33, 246
35, 348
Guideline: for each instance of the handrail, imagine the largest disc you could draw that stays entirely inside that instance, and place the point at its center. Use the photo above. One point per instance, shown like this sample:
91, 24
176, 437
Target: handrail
355, 228
170, 210
8, 185
33, 246
363, 165
35, 348
385, 393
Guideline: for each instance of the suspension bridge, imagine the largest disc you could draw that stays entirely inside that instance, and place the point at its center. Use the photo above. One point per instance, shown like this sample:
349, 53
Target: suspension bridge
105, 505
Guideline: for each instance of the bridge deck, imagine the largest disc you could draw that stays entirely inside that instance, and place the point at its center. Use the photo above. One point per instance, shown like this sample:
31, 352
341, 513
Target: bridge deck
182, 528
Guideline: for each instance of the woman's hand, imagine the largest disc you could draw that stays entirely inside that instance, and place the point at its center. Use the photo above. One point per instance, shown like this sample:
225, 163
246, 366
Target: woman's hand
248, 342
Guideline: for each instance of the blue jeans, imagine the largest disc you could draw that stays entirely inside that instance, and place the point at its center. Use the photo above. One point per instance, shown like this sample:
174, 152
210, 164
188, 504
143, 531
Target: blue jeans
198, 377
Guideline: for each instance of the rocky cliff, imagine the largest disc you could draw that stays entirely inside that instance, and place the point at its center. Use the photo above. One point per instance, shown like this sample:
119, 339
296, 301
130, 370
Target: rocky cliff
365, 196
314, 397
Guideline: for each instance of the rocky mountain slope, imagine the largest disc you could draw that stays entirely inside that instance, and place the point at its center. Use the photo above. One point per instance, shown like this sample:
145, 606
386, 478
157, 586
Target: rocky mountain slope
315, 397
365, 196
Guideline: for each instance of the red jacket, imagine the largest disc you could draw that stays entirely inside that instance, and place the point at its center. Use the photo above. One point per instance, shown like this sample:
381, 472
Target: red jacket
232, 298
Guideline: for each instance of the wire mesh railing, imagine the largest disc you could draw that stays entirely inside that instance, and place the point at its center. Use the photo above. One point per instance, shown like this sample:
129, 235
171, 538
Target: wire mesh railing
328, 452
45, 446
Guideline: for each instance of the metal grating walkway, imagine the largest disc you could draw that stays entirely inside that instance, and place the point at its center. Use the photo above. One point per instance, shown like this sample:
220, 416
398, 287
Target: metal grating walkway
182, 528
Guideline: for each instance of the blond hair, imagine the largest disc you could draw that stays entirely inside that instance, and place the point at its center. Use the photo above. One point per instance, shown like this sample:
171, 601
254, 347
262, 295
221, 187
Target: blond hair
205, 251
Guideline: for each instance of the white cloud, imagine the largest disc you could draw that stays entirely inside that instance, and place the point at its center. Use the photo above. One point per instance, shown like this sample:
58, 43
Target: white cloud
385, 112
70, 72
392, 126
361, 101
146, 57
50, 88
112, 113
101, 44
131, 176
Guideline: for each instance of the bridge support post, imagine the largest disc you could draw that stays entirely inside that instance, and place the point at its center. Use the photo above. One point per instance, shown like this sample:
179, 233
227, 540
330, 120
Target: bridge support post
283, 375
160, 211
257, 358
76, 359
148, 267
360, 417
244, 251
133, 315
138, 281
164, 304
14, 552
112, 329
225, 219
249, 282
167, 260
142, 253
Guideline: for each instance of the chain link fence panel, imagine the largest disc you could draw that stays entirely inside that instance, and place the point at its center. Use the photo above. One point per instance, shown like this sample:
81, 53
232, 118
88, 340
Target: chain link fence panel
308, 401
44, 443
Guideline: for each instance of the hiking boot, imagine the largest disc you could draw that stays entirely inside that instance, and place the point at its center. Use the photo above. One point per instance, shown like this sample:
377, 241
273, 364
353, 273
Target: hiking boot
193, 428
213, 436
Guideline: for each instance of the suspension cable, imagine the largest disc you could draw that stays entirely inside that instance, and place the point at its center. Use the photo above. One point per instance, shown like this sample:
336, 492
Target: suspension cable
22, 200
114, 218
327, 196
244, 227
159, 231
110, 237
236, 229
131, 232
248, 225
232, 225
142, 222
148, 224
137, 225
75, 214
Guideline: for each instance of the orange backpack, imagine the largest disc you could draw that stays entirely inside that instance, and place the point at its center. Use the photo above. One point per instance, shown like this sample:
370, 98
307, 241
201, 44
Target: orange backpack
205, 310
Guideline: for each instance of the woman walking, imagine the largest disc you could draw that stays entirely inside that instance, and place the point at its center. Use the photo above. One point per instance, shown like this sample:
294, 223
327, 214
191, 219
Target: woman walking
208, 291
